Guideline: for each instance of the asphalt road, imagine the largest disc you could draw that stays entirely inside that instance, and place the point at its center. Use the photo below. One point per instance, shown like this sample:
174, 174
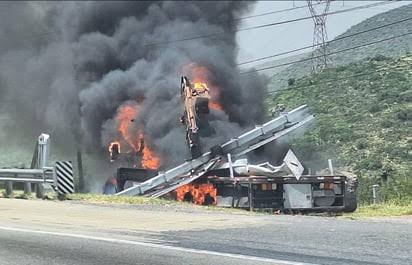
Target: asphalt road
42, 232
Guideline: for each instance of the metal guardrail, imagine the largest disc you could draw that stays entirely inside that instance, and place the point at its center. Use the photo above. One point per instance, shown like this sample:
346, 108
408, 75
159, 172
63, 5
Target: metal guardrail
38, 174
27, 176
60, 176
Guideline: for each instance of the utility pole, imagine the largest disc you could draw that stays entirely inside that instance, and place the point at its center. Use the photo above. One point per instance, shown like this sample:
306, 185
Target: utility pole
319, 11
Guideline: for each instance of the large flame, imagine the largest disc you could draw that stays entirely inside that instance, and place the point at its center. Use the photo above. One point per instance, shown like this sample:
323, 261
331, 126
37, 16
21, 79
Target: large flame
200, 77
134, 137
125, 115
150, 159
200, 194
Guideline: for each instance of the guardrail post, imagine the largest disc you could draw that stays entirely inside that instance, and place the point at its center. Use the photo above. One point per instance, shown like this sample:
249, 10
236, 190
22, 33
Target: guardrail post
39, 191
61, 197
9, 189
375, 193
27, 189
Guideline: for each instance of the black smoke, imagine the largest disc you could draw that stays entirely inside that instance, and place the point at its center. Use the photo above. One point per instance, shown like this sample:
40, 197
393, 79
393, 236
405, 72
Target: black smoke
69, 66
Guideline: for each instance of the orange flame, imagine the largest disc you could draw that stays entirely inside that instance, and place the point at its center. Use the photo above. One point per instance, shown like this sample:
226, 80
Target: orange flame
200, 76
215, 105
111, 147
124, 117
112, 144
150, 160
198, 193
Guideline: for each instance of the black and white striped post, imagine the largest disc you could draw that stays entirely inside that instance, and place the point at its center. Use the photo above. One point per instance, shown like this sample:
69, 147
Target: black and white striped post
64, 178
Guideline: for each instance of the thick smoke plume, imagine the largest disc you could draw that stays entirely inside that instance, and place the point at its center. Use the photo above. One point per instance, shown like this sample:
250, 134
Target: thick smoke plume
69, 67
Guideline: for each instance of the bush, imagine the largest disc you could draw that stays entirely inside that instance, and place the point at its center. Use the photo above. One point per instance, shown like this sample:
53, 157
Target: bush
362, 144
377, 147
406, 96
387, 123
379, 58
404, 115
375, 108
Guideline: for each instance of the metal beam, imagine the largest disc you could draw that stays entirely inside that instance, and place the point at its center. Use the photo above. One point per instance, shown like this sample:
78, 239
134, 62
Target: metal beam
25, 172
275, 136
26, 180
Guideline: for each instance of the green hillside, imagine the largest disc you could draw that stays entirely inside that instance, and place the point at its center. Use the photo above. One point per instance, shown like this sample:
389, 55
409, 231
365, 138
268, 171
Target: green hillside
363, 121
392, 48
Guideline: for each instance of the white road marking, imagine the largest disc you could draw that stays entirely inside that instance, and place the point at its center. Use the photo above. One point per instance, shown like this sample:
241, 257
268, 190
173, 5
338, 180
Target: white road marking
151, 245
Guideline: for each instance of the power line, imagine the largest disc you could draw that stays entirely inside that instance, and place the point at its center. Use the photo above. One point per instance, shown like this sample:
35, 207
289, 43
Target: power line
270, 13
335, 52
226, 20
267, 25
336, 39
384, 2
331, 80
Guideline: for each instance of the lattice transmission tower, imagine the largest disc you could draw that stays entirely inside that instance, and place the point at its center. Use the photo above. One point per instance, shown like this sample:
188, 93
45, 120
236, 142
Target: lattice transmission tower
319, 10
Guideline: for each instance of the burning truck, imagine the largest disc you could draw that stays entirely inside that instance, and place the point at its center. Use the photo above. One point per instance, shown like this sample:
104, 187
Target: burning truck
264, 186
223, 176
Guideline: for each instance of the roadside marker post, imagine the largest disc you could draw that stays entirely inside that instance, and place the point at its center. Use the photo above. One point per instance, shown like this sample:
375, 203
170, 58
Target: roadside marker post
375, 193
64, 178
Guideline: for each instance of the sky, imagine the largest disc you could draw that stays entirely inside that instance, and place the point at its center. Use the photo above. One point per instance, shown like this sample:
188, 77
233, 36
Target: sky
280, 38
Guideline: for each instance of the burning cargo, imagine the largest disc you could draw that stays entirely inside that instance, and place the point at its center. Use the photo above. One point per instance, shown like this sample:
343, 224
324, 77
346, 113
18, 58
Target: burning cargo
264, 186
214, 179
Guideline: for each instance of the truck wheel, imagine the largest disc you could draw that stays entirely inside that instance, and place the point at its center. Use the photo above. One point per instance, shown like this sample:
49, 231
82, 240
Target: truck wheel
188, 197
350, 199
209, 200
350, 202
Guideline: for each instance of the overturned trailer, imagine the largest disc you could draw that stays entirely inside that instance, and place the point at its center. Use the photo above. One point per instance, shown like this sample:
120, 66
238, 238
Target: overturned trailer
331, 193
279, 189
213, 177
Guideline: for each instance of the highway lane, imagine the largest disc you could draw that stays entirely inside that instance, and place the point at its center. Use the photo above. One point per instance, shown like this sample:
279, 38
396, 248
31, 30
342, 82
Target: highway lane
72, 233
26, 246
311, 239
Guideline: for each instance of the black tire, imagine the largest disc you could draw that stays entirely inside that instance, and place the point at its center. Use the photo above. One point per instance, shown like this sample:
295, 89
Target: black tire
209, 200
188, 197
350, 200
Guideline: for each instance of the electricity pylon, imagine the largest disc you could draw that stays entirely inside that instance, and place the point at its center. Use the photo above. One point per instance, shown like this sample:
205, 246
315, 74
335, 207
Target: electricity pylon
319, 11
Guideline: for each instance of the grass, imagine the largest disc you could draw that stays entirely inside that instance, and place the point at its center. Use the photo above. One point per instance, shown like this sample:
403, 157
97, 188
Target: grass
363, 211
17, 194
108, 199
140, 200
126, 200
381, 210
